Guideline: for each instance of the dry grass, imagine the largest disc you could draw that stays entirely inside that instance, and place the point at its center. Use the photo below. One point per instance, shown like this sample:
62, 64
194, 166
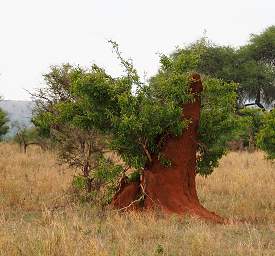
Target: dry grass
39, 217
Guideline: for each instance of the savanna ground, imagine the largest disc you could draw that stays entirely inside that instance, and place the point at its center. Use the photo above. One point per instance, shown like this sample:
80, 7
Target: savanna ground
40, 216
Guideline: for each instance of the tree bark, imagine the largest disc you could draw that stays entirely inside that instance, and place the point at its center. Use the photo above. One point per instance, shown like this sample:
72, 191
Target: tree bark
173, 189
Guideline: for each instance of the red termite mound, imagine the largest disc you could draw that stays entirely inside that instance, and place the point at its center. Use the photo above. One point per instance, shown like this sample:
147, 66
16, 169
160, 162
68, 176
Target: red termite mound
172, 189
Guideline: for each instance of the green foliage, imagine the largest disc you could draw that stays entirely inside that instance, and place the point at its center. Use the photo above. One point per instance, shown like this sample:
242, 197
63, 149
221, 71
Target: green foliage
218, 122
79, 182
43, 122
89, 111
252, 65
262, 46
251, 122
266, 135
137, 117
134, 176
106, 171
256, 78
103, 180
159, 250
218, 119
3, 123
135, 121
107, 174
164, 161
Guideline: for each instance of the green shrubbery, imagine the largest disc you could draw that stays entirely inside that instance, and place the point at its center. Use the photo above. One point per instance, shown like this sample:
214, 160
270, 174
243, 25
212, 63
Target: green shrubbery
88, 112
266, 135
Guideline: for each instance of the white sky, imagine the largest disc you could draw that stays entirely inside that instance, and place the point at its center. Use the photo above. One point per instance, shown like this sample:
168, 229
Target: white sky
35, 34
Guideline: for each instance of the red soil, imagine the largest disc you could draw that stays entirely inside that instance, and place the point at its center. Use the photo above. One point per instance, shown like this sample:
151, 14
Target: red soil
126, 196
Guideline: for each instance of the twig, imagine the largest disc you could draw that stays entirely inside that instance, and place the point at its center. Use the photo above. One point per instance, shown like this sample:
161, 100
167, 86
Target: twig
133, 202
139, 199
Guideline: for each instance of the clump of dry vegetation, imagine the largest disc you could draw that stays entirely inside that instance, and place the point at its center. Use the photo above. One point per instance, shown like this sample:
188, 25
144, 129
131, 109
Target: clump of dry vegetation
40, 216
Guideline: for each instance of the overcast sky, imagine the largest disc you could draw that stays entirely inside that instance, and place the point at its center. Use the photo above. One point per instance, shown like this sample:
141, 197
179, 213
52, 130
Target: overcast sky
38, 33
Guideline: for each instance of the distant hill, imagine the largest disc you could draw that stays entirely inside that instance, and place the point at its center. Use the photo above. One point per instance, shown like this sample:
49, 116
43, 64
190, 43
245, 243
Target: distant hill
19, 112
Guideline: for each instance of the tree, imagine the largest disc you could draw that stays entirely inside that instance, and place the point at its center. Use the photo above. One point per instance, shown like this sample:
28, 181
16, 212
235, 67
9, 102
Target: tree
80, 147
262, 46
158, 128
256, 78
252, 66
3, 123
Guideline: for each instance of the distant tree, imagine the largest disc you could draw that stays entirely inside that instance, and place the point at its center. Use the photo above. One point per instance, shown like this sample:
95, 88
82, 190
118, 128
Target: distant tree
26, 137
252, 66
256, 72
4, 128
266, 135
256, 81
262, 46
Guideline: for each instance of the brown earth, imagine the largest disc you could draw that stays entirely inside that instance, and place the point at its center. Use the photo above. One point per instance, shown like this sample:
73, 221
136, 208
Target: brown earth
125, 198
172, 189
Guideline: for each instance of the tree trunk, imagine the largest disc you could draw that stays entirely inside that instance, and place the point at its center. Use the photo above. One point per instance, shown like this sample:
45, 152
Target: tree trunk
25, 147
173, 189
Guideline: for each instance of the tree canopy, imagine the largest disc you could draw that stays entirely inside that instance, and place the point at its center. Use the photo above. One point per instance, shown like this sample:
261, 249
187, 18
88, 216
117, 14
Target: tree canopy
262, 46
136, 116
251, 66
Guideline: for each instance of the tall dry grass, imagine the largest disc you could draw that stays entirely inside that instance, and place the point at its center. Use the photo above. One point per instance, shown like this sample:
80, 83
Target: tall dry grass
242, 187
38, 216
